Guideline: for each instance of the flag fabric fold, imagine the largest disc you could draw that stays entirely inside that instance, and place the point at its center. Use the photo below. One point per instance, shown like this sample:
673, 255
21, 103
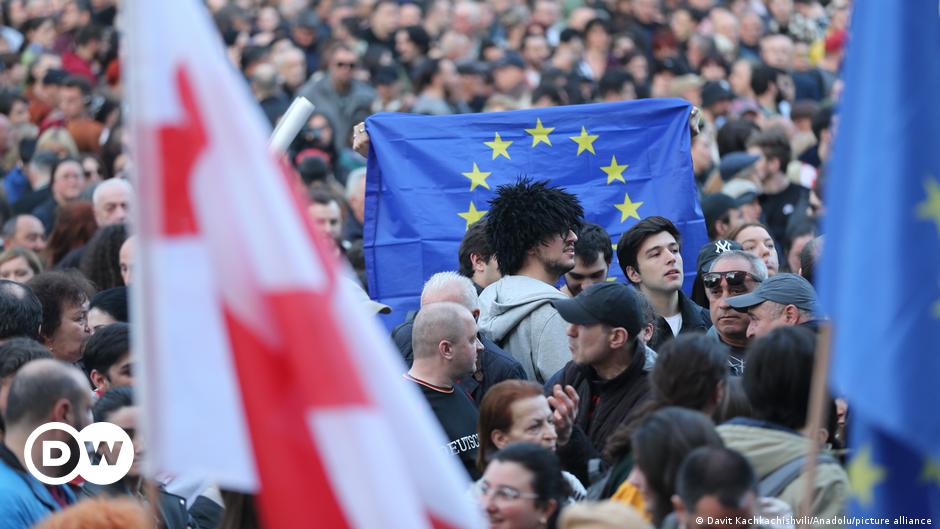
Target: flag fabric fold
431, 177
259, 368
880, 272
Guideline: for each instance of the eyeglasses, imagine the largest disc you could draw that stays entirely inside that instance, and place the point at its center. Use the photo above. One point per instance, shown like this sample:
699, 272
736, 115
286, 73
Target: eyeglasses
505, 494
344, 64
735, 278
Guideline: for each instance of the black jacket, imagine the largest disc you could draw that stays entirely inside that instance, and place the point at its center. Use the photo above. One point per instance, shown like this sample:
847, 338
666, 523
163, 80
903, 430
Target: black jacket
174, 513
694, 319
604, 406
495, 364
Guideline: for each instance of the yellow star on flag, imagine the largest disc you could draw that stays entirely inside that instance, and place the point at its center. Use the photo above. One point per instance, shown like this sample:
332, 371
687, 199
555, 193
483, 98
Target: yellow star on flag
477, 177
499, 147
540, 133
614, 171
864, 476
628, 208
585, 141
930, 208
931, 471
471, 215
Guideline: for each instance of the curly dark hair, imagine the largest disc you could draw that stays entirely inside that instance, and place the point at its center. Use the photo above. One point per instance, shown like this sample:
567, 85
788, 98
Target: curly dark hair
55, 290
100, 262
526, 214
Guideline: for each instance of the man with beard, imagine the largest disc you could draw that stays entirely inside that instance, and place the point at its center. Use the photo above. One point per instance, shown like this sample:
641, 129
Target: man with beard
42, 391
732, 273
780, 197
532, 230
772, 87
593, 253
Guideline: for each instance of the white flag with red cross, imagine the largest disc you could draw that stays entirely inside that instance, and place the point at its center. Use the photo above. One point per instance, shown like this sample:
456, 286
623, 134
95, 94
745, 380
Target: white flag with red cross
258, 368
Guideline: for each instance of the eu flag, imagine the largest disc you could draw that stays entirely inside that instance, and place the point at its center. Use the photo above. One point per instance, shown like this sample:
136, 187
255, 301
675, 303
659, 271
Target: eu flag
430, 177
880, 276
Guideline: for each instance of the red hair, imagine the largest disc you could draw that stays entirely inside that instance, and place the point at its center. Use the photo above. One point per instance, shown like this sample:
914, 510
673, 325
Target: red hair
496, 414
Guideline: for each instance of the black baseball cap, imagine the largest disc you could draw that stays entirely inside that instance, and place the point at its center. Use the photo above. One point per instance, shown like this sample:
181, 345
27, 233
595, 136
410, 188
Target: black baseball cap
786, 289
715, 205
614, 304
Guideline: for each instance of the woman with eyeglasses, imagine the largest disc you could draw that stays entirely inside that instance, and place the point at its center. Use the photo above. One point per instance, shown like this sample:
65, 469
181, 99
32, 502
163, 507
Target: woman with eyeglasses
755, 238
515, 411
522, 488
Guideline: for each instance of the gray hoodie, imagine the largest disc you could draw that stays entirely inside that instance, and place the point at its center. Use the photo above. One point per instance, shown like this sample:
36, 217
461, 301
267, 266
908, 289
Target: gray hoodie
516, 313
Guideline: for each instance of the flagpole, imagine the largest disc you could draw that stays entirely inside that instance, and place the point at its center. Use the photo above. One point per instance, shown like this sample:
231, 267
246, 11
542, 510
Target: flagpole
816, 416
290, 124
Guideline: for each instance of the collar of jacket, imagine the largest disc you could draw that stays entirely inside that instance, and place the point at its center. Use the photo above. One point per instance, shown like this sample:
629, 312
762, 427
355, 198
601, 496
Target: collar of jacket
9, 458
757, 423
692, 314
634, 370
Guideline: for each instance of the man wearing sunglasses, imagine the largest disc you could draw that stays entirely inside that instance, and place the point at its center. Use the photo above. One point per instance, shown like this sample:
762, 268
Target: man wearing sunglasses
732, 273
339, 95
782, 300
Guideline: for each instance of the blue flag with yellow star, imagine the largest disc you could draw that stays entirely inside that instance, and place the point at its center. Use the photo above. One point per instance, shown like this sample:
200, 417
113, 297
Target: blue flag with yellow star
880, 271
431, 177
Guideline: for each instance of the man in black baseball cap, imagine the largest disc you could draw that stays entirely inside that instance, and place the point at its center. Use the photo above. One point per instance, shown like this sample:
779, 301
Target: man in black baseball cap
782, 300
722, 215
607, 365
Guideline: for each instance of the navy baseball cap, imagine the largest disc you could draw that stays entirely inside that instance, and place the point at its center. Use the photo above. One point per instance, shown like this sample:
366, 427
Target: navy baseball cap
614, 304
711, 251
786, 289
735, 162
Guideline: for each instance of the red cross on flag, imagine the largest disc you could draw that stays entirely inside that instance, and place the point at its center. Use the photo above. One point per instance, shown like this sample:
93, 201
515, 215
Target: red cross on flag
259, 369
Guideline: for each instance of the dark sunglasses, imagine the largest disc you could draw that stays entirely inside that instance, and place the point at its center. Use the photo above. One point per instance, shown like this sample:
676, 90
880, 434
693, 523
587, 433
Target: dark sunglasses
735, 278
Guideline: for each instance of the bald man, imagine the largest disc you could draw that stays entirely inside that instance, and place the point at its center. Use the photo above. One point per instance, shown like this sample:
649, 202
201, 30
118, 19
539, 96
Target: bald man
42, 391
446, 346
493, 364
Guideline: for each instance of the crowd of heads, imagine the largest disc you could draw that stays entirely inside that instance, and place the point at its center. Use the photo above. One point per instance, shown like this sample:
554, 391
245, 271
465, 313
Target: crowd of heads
636, 392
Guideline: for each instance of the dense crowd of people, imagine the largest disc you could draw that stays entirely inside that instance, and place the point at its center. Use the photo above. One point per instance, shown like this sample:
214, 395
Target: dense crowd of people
570, 400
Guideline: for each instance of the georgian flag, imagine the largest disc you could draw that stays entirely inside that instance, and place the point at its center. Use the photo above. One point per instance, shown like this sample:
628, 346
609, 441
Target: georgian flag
258, 367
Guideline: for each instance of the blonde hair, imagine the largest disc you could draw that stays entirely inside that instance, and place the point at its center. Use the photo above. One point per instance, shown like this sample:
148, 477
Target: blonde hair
28, 255
56, 138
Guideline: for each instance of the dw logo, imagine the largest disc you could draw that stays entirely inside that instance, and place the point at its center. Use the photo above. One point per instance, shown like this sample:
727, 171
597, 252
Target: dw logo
61, 461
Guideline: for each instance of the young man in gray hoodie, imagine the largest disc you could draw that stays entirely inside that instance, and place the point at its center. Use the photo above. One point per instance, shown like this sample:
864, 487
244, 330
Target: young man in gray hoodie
532, 229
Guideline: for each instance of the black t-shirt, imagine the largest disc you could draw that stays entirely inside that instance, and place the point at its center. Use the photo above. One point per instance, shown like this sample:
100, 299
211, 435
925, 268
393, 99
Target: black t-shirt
458, 416
778, 208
